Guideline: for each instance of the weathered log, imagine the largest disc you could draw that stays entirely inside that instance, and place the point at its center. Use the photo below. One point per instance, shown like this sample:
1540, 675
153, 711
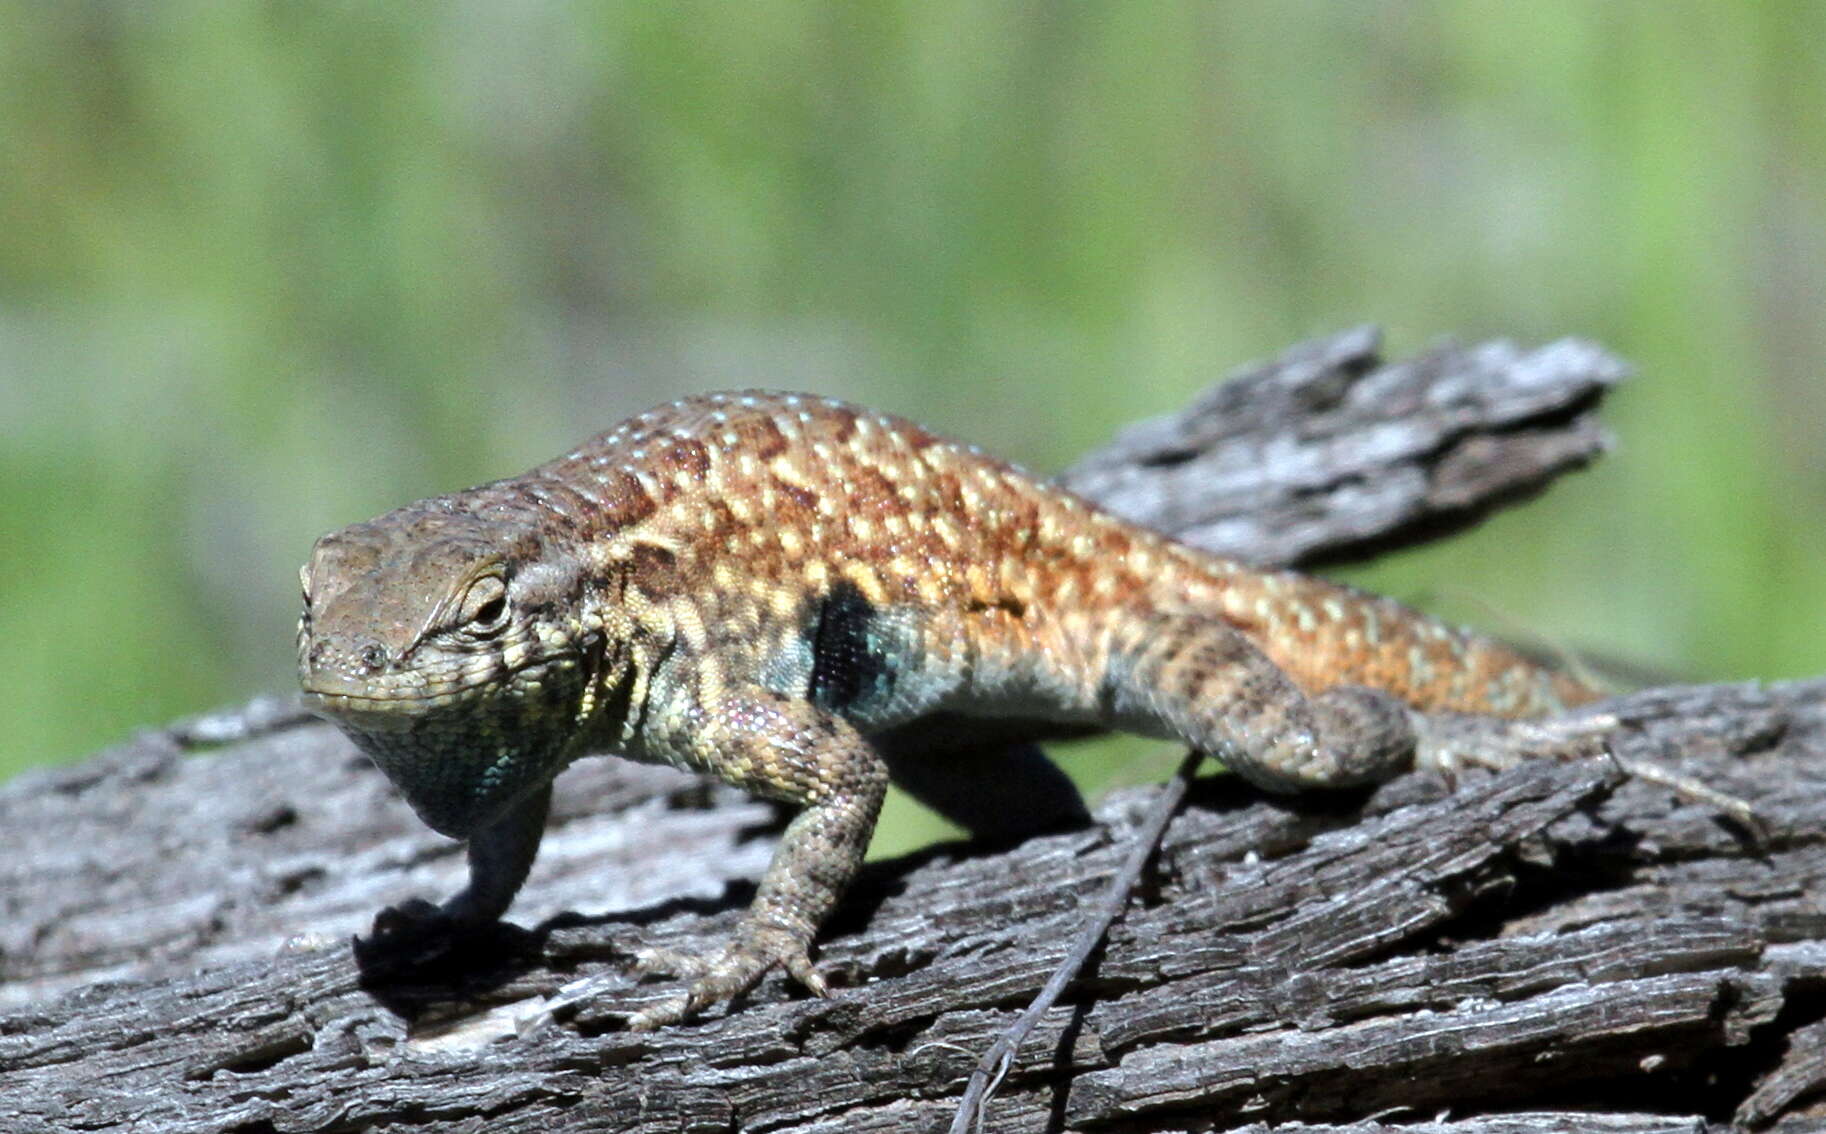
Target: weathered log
1553, 948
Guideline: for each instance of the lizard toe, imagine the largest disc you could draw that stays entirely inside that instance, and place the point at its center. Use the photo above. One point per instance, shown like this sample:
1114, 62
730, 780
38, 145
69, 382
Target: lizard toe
736, 969
670, 962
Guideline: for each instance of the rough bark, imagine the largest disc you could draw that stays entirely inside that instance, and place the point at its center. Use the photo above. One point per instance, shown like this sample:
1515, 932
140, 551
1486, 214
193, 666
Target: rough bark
1553, 948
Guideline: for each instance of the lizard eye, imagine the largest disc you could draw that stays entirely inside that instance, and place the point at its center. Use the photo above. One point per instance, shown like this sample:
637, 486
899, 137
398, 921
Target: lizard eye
485, 605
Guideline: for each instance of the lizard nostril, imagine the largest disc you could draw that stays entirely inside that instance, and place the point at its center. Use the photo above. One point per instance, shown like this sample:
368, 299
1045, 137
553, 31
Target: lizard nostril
373, 656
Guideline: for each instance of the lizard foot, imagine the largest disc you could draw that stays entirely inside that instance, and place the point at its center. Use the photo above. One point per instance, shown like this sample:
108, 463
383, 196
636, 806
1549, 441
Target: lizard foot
738, 968
1449, 743
411, 932
416, 922
411, 921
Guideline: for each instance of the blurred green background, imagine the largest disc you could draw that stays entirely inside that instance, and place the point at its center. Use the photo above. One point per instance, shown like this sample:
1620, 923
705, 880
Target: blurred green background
266, 269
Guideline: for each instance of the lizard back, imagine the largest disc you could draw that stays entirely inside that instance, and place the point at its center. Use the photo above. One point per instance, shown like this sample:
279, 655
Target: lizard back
788, 530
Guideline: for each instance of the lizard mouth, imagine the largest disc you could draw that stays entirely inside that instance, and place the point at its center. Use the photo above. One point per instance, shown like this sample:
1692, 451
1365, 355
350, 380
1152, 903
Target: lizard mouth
394, 713
399, 709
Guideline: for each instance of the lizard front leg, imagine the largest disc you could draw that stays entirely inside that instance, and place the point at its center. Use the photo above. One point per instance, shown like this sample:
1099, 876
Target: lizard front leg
500, 855
788, 749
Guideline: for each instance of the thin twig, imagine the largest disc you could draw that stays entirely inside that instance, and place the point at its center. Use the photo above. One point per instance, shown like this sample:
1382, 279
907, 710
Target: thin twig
993, 1067
1696, 791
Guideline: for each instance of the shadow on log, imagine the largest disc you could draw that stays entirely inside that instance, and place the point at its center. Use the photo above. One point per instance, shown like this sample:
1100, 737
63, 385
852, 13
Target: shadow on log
1555, 948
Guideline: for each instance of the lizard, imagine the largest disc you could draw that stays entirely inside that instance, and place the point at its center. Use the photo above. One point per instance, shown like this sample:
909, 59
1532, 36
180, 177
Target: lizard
808, 599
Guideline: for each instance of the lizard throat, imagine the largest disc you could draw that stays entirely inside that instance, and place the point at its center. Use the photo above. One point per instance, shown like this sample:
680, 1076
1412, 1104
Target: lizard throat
462, 758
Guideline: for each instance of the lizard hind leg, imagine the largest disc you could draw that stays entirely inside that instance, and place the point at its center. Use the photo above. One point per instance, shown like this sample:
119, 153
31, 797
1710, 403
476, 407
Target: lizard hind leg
1198, 679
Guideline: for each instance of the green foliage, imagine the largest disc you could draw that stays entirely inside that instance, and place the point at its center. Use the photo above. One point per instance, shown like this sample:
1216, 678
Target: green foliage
268, 269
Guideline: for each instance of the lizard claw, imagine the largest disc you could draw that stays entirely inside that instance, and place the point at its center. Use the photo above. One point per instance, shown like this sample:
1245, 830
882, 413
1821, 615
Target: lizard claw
738, 968
800, 968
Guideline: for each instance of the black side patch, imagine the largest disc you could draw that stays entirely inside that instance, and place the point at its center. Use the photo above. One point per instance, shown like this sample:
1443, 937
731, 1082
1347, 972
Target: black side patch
847, 667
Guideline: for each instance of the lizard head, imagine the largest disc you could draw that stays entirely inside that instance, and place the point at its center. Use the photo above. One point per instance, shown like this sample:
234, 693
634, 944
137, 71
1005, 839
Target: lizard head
445, 643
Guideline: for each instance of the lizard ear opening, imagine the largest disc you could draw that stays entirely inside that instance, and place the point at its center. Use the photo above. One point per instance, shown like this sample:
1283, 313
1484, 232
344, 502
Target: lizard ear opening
484, 609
